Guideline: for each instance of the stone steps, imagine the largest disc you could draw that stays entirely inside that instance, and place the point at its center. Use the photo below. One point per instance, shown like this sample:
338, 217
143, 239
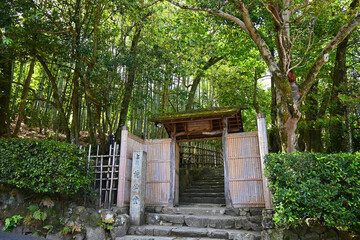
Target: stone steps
206, 221
180, 232
208, 188
188, 200
203, 194
204, 190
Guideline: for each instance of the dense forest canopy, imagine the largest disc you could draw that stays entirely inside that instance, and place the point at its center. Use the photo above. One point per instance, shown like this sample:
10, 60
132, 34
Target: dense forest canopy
84, 68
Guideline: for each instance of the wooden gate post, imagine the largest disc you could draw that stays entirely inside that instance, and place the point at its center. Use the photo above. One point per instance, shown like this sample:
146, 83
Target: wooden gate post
122, 167
172, 171
263, 147
226, 164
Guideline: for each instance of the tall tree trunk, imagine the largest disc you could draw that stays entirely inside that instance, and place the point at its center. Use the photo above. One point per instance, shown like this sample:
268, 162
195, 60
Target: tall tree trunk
131, 68
24, 97
199, 74
56, 96
6, 64
75, 125
337, 109
274, 137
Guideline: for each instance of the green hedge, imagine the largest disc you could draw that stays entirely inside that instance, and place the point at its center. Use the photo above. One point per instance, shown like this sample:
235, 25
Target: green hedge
43, 166
321, 186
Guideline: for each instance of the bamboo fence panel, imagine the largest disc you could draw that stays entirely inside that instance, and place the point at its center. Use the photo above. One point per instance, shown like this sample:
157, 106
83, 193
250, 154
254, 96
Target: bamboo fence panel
245, 175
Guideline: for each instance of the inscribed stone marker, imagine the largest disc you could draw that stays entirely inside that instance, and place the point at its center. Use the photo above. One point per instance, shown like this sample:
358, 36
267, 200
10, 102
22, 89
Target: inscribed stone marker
137, 197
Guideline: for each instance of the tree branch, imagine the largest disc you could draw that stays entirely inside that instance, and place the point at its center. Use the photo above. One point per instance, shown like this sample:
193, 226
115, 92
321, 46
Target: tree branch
218, 13
323, 57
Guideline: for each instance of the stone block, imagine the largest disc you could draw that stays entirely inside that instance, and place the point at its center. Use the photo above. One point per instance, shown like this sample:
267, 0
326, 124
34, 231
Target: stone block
246, 224
189, 232
162, 231
331, 235
221, 223
289, 235
59, 236
153, 219
219, 234
267, 223
196, 221
94, 233
176, 219
244, 236
144, 230
121, 226
310, 236
232, 211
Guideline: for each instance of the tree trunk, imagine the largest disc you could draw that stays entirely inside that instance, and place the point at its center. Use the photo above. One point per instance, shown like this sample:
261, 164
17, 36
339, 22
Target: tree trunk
130, 83
56, 96
200, 73
274, 137
6, 64
337, 109
23, 98
288, 116
75, 125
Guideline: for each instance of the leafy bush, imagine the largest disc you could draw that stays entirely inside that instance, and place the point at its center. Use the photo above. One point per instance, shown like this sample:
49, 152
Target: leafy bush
43, 166
321, 186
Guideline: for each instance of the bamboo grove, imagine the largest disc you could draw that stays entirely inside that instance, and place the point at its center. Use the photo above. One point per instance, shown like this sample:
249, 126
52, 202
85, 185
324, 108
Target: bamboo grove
78, 70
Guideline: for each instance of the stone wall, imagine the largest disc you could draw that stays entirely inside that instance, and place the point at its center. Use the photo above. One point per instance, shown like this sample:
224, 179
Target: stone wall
309, 230
61, 218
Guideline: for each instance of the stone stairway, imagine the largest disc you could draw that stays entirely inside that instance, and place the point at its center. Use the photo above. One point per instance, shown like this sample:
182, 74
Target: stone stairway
198, 222
207, 188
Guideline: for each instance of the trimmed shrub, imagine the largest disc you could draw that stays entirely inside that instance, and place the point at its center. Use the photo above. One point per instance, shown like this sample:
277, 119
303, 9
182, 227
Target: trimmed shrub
43, 166
321, 186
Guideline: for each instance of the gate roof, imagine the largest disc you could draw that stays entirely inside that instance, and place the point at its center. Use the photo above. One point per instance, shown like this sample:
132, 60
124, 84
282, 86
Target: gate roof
201, 123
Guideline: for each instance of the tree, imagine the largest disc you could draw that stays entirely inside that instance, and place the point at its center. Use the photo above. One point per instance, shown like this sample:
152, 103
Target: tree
283, 15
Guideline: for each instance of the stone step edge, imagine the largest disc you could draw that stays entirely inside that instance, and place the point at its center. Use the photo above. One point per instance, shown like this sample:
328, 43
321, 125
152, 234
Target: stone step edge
214, 222
212, 217
181, 231
145, 237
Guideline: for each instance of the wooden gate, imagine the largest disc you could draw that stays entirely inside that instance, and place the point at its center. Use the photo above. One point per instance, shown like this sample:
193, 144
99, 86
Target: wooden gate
245, 174
158, 172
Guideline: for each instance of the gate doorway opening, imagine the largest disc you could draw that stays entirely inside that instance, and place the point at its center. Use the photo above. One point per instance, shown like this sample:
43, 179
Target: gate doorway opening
201, 172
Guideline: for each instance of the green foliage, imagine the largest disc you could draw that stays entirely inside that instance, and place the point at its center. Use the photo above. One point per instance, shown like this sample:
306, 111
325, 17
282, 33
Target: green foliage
321, 186
43, 166
11, 223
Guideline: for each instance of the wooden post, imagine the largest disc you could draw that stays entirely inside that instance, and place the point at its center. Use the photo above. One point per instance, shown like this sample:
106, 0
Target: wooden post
122, 167
263, 147
226, 164
172, 170
177, 162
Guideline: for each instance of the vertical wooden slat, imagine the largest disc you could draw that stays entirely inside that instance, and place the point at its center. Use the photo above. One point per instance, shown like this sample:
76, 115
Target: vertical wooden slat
100, 189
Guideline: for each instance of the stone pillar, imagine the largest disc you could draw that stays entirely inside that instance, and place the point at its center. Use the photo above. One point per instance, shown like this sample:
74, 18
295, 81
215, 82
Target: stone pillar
138, 191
